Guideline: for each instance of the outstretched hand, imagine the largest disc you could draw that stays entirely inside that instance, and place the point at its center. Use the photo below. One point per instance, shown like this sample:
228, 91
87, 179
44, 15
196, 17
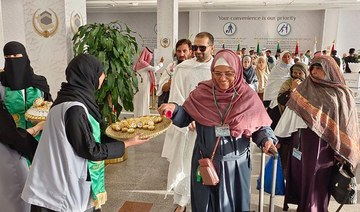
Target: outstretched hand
35, 130
166, 107
135, 141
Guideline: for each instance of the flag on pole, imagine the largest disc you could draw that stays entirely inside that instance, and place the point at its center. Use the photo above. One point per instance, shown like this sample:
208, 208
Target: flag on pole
297, 48
278, 46
258, 48
333, 46
314, 50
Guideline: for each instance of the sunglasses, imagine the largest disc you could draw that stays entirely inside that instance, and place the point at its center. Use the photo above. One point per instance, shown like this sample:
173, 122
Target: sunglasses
201, 48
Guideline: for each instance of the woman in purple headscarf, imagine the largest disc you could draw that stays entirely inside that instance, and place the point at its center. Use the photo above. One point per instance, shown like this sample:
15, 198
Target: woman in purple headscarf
321, 119
227, 110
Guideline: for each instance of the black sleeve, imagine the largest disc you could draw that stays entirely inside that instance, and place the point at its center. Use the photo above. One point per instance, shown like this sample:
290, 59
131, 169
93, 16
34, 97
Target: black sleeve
284, 98
262, 135
16, 138
80, 135
180, 117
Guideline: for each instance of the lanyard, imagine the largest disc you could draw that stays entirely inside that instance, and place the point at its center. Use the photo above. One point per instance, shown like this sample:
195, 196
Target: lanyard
217, 106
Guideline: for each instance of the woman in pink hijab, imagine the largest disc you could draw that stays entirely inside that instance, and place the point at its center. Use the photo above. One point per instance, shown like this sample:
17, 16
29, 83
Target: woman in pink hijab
226, 110
146, 78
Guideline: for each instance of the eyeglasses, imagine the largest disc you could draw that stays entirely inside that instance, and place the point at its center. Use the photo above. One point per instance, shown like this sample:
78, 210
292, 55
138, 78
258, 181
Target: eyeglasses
201, 48
226, 74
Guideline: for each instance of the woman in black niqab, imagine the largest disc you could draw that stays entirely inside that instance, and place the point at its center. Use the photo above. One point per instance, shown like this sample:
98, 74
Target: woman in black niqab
82, 75
18, 74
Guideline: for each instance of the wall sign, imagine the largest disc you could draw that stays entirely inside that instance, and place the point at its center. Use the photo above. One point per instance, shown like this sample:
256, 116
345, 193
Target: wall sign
76, 21
284, 28
229, 28
45, 22
165, 42
116, 25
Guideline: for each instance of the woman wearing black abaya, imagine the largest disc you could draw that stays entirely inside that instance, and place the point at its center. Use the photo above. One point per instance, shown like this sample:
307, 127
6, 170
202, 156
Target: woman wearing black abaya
14, 143
71, 151
19, 86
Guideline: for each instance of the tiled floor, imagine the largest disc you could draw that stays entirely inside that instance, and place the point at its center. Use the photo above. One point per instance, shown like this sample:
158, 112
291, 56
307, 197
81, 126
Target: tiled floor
142, 179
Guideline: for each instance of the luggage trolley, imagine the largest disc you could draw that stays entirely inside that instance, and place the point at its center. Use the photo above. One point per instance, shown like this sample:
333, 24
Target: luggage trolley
273, 183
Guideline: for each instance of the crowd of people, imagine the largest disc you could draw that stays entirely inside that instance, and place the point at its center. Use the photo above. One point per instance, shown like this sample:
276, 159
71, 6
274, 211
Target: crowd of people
220, 103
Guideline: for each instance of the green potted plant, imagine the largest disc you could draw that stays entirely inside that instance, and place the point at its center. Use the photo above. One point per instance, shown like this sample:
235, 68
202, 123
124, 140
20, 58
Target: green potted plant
116, 50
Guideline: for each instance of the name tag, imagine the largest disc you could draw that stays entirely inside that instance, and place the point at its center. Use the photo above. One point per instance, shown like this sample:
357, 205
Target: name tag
296, 153
222, 130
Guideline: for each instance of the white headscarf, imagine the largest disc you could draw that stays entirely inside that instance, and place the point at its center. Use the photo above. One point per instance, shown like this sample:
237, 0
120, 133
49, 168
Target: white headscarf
278, 75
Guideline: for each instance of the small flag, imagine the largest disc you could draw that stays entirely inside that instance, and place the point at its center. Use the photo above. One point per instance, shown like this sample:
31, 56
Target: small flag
258, 48
238, 47
278, 46
297, 48
314, 50
333, 46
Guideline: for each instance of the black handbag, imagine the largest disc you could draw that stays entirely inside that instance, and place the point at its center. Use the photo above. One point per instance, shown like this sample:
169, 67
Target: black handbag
343, 185
163, 98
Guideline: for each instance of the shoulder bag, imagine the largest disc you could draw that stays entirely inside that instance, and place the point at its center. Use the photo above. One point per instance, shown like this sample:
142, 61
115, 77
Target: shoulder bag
207, 170
343, 185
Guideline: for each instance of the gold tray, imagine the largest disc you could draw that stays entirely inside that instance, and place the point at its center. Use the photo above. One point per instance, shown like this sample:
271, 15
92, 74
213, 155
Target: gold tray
117, 160
159, 128
34, 119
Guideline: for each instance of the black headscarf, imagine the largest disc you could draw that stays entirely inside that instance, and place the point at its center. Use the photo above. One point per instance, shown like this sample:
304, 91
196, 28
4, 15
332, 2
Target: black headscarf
16, 138
18, 74
82, 75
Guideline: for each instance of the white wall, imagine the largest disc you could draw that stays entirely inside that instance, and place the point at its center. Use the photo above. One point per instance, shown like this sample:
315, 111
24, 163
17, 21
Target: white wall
1, 37
13, 22
326, 25
348, 31
261, 26
143, 23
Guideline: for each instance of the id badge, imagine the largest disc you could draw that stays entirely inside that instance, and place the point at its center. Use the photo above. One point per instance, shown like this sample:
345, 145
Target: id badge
296, 153
223, 130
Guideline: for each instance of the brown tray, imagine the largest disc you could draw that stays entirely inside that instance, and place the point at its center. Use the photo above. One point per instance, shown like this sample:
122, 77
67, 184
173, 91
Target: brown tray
159, 128
34, 119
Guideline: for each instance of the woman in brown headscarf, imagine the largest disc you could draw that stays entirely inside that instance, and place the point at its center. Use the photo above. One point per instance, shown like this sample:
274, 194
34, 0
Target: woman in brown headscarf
224, 108
262, 73
325, 132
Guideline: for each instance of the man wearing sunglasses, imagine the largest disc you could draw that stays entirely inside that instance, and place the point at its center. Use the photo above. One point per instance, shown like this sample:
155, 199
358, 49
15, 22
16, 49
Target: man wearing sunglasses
179, 142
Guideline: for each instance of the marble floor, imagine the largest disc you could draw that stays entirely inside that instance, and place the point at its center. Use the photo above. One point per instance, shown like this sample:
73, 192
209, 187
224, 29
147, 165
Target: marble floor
139, 183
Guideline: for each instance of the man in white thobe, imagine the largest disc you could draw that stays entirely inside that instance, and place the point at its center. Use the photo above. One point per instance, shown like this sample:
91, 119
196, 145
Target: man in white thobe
179, 142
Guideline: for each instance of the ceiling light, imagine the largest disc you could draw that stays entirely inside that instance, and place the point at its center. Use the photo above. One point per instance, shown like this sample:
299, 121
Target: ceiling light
208, 2
134, 3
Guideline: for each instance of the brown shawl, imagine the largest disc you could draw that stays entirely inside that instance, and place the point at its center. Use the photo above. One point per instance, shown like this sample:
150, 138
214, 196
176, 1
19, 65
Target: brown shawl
328, 108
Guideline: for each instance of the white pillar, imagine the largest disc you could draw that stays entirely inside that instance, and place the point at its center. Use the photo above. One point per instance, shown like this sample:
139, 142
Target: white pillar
167, 29
1, 37
330, 30
194, 24
12, 24
46, 28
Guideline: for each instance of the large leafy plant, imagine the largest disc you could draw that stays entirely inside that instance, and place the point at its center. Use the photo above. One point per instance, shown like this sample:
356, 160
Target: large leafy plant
116, 50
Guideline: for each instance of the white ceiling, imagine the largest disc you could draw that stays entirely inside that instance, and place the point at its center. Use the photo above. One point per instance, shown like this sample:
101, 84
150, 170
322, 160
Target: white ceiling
211, 5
